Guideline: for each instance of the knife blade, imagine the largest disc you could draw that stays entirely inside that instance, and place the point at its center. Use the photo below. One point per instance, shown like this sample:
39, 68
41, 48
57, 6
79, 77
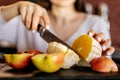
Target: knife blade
50, 37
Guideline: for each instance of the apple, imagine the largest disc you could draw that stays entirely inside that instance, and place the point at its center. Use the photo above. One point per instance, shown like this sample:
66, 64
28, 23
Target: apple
48, 62
17, 61
35, 52
21, 60
103, 64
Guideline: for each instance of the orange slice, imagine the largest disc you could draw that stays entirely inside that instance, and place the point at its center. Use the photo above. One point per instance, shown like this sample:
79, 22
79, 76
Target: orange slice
87, 46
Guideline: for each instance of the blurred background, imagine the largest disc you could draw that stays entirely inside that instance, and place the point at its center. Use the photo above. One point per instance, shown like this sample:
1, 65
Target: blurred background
107, 9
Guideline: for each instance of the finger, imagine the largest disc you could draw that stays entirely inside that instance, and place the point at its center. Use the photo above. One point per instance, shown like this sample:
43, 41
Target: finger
91, 33
41, 21
36, 18
46, 18
30, 10
106, 44
109, 51
23, 13
99, 37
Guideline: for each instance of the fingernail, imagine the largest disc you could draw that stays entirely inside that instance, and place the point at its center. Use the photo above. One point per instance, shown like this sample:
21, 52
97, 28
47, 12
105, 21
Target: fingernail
104, 48
99, 39
90, 34
47, 27
33, 31
108, 53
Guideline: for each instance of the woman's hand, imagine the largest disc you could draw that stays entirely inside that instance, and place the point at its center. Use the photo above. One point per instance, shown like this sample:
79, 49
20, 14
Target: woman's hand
107, 49
32, 14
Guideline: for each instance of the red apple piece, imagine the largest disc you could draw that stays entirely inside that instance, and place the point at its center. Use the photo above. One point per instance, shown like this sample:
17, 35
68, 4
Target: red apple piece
17, 61
34, 52
103, 64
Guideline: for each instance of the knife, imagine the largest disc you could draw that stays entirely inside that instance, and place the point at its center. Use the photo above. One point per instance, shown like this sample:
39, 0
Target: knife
50, 37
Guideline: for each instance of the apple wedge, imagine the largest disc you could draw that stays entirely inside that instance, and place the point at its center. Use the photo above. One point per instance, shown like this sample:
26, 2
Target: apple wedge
34, 52
17, 61
103, 64
48, 62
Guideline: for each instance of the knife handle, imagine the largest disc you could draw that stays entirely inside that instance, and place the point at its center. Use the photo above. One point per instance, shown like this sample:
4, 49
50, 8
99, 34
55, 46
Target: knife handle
41, 29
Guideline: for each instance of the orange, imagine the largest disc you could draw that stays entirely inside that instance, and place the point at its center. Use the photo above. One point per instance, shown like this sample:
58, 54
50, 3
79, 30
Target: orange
87, 47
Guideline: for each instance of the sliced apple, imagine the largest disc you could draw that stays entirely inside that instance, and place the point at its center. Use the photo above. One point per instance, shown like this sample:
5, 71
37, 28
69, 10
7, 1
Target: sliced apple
17, 61
34, 52
48, 62
103, 64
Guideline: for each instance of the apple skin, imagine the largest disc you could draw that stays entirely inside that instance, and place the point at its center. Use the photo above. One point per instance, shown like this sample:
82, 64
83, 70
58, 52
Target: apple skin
17, 61
34, 52
48, 63
103, 64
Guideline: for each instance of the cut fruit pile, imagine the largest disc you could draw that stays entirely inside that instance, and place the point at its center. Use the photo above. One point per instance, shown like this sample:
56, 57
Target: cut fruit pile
87, 46
33, 58
59, 56
91, 50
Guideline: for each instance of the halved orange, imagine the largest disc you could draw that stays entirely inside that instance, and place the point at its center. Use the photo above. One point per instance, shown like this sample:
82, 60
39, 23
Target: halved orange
87, 46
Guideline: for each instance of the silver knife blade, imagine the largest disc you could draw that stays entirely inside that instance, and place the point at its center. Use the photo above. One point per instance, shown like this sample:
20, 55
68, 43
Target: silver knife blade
50, 37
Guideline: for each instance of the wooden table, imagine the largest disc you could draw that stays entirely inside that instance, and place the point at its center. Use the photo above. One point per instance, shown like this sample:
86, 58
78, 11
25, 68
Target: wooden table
81, 73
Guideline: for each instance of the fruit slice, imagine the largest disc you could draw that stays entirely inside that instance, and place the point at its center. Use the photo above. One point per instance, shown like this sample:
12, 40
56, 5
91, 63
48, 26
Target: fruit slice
70, 59
48, 62
103, 64
17, 61
34, 52
56, 47
87, 46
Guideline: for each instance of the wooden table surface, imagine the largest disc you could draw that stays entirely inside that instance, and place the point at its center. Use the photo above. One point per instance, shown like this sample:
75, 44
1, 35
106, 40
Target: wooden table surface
74, 73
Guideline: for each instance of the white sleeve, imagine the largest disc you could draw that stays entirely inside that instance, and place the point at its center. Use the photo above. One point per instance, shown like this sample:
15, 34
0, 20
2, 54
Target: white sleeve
2, 22
8, 31
15, 32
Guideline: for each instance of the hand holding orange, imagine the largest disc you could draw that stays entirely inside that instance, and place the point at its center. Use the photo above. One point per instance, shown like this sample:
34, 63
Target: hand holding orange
87, 46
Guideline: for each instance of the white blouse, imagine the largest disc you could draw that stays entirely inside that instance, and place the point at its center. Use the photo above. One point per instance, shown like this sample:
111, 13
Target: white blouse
14, 31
